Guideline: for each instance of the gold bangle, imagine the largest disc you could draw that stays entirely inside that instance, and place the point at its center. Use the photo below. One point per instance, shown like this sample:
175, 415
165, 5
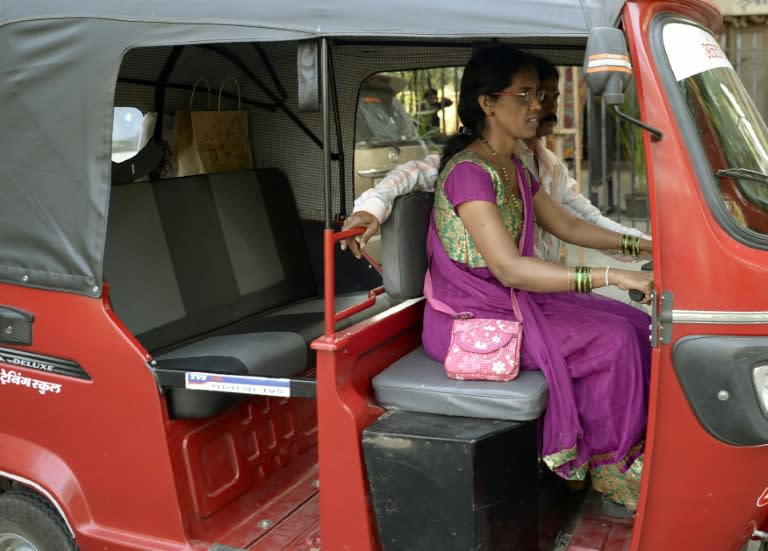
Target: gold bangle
577, 280
580, 279
568, 278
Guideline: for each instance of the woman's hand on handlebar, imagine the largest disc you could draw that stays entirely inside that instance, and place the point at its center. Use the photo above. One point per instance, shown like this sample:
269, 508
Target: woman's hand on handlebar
360, 219
633, 279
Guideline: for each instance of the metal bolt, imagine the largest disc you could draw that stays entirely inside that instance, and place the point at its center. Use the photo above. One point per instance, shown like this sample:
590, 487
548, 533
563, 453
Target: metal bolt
8, 330
723, 395
25, 278
266, 523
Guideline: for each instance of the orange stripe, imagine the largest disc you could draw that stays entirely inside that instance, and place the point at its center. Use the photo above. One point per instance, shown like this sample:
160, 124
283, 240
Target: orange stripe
609, 70
609, 56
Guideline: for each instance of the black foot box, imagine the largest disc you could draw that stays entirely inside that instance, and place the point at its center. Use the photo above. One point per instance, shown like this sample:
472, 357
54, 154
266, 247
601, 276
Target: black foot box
452, 483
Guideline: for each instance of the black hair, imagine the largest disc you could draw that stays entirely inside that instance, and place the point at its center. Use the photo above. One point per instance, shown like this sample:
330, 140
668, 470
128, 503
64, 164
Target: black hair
545, 69
488, 70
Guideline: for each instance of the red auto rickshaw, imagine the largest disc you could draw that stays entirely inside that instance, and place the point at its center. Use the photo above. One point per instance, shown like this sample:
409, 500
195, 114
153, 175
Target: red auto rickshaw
190, 363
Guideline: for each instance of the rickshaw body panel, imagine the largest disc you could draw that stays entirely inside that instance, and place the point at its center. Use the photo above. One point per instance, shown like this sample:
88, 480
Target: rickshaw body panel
692, 482
108, 467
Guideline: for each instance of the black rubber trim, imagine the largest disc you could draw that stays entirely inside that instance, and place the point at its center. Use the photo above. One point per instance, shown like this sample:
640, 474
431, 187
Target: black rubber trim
715, 372
206, 364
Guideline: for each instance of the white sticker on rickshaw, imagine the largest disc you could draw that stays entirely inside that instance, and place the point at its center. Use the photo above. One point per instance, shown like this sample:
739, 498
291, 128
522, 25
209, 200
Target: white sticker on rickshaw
238, 383
692, 50
762, 501
17, 378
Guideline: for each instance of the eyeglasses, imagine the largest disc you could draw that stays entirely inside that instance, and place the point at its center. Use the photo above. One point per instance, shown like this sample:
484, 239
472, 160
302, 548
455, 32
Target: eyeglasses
526, 96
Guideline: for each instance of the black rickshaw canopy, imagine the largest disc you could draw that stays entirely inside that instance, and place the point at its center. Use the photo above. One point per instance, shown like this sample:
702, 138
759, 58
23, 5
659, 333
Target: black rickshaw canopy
59, 62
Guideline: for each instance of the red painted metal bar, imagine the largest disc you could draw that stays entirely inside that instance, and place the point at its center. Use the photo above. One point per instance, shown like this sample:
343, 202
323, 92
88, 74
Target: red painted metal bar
329, 280
367, 303
372, 262
338, 236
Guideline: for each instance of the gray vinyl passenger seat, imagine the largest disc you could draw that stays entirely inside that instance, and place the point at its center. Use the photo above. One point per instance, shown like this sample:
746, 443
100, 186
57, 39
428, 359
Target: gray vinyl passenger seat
211, 273
416, 382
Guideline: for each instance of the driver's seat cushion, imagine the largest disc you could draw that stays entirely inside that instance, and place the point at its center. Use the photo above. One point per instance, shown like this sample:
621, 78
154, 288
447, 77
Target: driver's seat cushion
418, 383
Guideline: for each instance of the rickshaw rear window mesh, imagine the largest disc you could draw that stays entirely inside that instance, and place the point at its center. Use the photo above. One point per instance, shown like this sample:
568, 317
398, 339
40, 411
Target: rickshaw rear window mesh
278, 141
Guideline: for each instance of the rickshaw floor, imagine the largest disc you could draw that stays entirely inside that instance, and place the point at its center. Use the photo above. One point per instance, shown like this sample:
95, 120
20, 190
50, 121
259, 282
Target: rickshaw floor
568, 521
589, 528
297, 531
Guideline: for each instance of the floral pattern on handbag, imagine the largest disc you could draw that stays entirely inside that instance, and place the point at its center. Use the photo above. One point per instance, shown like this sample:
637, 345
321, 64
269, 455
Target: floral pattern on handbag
484, 349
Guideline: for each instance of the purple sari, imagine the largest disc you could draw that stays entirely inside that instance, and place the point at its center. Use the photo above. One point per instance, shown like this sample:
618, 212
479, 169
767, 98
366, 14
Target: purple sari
593, 351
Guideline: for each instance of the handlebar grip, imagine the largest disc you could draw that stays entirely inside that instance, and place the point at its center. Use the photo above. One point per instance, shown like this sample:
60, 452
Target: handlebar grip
636, 294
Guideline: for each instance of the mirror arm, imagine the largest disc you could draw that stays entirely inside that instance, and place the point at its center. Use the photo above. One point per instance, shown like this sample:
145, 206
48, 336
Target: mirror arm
655, 133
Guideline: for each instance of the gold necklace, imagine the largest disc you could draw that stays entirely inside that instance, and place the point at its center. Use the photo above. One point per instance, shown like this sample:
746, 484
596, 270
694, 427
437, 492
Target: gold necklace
495, 156
504, 173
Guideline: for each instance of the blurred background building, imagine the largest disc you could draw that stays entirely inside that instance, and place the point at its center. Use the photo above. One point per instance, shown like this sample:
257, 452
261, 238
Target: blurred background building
745, 40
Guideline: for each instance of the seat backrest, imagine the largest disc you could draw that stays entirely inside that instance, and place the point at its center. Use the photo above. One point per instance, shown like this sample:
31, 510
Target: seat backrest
404, 245
186, 256
137, 262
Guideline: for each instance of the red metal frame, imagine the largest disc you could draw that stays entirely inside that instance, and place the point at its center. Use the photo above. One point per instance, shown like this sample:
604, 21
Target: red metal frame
330, 238
345, 365
696, 491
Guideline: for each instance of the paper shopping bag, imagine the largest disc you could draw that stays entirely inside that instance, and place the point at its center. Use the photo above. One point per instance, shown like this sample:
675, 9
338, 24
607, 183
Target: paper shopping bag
212, 141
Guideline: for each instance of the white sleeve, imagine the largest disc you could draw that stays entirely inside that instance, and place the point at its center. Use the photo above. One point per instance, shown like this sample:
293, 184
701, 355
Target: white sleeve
404, 178
581, 207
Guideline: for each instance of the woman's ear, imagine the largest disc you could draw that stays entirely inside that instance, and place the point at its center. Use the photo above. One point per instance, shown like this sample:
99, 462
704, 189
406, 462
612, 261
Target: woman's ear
486, 104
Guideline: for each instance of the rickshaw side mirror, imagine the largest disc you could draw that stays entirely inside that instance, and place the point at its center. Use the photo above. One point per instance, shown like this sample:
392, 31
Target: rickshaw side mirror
606, 64
308, 65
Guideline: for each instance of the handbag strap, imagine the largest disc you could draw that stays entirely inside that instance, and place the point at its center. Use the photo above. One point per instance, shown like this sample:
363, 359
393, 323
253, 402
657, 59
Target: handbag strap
441, 306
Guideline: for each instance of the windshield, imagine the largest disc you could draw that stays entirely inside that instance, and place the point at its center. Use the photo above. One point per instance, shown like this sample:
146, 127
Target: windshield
382, 120
732, 132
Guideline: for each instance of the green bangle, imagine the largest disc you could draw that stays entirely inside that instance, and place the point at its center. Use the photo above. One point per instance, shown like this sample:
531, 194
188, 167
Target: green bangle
583, 279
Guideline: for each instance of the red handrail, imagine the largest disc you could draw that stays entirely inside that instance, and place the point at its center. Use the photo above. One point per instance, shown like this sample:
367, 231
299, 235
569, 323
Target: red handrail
330, 238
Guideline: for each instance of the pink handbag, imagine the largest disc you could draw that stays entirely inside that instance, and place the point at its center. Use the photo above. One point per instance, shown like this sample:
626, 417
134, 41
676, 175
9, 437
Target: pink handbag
480, 349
